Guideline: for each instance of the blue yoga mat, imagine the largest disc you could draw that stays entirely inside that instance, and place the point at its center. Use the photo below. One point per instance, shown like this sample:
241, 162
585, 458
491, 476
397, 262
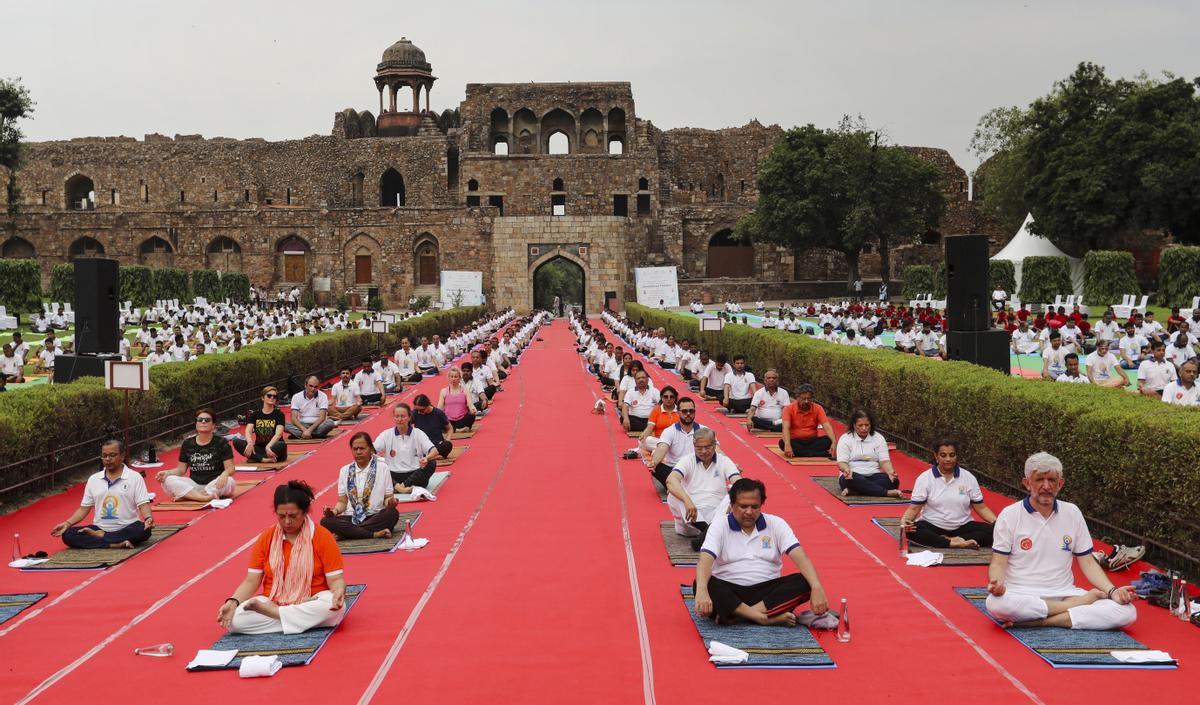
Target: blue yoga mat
769, 647
1069, 648
292, 649
12, 605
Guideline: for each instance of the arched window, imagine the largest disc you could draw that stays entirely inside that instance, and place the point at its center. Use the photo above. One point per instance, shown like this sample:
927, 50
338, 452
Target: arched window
80, 193
17, 248
728, 257
293, 251
452, 169
224, 255
85, 247
559, 143
558, 185
472, 185
391, 189
425, 266
499, 129
558, 129
156, 252
525, 126
616, 145
643, 184
500, 146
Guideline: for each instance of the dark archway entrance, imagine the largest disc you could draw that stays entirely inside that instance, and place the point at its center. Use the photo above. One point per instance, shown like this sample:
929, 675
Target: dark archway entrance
728, 257
559, 277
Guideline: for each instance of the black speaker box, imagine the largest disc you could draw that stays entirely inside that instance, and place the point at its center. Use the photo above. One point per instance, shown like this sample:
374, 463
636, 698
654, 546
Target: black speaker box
988, 348
97, 291
68, 368
968, 298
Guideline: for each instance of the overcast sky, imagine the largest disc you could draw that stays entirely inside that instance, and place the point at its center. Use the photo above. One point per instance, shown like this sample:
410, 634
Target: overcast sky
924, 70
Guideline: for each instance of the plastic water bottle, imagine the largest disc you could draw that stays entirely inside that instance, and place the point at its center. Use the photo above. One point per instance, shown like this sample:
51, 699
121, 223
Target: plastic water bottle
843, 628
16, 553
408, 527
903, 541
1184, 610
159, 650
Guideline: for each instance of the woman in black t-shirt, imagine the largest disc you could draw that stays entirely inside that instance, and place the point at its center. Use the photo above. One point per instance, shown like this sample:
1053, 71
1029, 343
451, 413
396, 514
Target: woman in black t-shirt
208, 459
263, 442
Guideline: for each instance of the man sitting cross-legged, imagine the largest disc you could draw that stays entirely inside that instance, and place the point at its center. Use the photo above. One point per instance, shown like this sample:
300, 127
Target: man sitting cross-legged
801, 420
739, 574
712, 378
1030, 583
406, 361
434, 422
767, 404
207, 459
410, 455
11, 366
345, 398
739, 387
370, 385
699, 487
366, 500
675, 441
389, 374
121, 514
310, 412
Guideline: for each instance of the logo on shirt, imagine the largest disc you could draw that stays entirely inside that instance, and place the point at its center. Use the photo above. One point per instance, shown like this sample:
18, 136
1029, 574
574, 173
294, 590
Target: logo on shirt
766, 542
1066, 543
108, 507
1026, 543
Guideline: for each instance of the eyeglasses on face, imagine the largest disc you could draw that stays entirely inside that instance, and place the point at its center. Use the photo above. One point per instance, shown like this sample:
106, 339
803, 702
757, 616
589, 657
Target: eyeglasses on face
271, 396
204, 419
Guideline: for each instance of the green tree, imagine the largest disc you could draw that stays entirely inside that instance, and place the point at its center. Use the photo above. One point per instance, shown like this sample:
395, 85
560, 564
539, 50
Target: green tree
15, 104
558, 277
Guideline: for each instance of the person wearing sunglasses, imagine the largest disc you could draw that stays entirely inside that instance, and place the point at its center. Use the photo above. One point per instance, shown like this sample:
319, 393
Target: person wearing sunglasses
663, 415
205, 470
263, 441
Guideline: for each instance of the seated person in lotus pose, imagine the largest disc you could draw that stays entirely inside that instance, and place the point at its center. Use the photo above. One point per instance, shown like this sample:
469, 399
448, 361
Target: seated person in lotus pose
410, 456
366, 500
457, 401
698, 487
801, 420
118, 501
638, 403
207, 459
263, 441
712, 378
943, 497
406, 360
663, 415
482, 373
389, 373
1030, 581
472, 382
674, 441
739, 574
345, 399
310, 412
1156, 373
1184, 391
1103, 368
1071, 374
767, 404
434, 422
427, 362
12, 367
739, 387
370, 384
299, 568
862, 456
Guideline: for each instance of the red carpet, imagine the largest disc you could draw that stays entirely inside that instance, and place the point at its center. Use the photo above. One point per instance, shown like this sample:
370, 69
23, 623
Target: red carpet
525, 594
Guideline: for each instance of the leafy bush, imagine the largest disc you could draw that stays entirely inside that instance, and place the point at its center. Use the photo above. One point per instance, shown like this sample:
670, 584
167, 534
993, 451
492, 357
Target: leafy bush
939, 281
342, 304
1108, 275
423, 302
1003, 275
62, 283
918, 280
1178, 276
235, 286
20, 285
309, 299
137, 285
207, 283
1043, 278
1104, 437
171, 283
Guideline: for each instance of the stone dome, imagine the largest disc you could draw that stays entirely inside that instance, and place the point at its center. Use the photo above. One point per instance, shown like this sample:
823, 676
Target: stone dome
404, 55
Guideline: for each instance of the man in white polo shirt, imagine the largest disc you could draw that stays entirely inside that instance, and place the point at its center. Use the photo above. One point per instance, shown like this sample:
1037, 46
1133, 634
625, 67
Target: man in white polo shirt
410, 455
345, 398
1030, 583
389, 373
767, 404
712, 379
638, 403
739, 388
1071, 374
122, 516
698, 487
1184, 392
11, 366
1156, 373
675, 441
1024, 340
310, 412
406, 360
370, 386
739, 575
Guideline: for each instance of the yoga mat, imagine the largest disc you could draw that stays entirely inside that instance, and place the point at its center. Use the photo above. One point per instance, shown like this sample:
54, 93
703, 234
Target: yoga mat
247, 466
454, 455
798, 460
436, 480
1069, 648
334, 432
243, 486
292, 649
358, 547
97, 558
679, 548
462, 433
952, 556
767, 434
634, 434
12, 605
769, 647
830, 483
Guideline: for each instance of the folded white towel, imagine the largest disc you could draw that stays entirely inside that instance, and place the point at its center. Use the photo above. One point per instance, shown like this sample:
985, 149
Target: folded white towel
1142, 656
408, 543
925, 558
422, 493
26, 562
212, 658
724, 653
220, 503
259, 666
808, 618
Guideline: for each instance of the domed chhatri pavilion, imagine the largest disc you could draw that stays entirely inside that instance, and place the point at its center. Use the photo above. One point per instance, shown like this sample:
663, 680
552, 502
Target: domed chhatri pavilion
516, 176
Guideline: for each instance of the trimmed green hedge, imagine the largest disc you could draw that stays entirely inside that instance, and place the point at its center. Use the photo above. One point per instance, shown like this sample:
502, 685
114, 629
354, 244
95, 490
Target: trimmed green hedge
235, 286
171, 283
1003, 275
1043, 278
137, 285
62, 283
918, 280
1109, 275
1178, 276
207, 283
42, 418
20, 286
1106, 439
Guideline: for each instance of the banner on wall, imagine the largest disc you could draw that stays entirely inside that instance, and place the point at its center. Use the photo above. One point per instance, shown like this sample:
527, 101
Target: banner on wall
468, 285
654, 284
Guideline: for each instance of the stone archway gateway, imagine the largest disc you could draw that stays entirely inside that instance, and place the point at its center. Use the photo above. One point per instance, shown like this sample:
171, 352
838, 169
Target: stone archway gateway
561, 277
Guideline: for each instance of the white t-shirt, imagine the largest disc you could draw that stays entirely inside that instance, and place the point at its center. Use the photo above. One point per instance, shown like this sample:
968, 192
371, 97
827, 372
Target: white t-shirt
739, 385
641, 403
1132, 346
1024, 342
929, 342
1081, 378
10, 365
1103, 368
1040, 550
946, 503
403, 453
869, 342
707, 486
905, 340
116, 503
749, 559
679, 442
1057, 359
863, 455
769, 407
345, 394
1176, 393
1106, 331
309, 409
367, 381
47, 358
715, 377
406, 361
1157, 375
1177, 355
830, 337
380, 491
425, 357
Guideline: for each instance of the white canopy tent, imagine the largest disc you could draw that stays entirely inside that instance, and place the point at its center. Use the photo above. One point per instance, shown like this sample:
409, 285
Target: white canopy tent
1026, 244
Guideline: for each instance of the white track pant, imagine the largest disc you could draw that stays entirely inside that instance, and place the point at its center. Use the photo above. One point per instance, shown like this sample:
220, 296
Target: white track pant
179, 486
293, 619
1020, 607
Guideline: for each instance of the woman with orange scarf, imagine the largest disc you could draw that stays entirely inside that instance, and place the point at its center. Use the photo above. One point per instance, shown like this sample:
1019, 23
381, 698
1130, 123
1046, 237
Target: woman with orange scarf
299, 568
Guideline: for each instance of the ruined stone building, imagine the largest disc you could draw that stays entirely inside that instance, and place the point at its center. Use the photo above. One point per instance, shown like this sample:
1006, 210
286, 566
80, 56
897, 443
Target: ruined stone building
519, 174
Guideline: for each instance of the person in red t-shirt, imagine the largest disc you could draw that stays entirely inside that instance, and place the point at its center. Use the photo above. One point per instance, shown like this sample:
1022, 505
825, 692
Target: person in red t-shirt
802, 420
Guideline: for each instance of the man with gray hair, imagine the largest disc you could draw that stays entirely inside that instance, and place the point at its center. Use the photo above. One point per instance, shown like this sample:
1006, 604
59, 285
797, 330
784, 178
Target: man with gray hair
698, 487
1030, 583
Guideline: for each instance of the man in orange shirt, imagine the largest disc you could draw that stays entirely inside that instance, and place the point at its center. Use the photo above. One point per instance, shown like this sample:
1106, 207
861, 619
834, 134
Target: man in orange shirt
801, 420
661, 417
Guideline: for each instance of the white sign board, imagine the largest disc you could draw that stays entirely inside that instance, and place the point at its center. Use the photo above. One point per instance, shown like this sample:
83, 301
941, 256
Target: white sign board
467, 285
321, 283
654, 284
379, 326
711, 324
126, 375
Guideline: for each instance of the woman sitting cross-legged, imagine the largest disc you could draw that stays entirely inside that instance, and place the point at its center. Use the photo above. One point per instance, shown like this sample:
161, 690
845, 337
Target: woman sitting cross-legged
458, 401
207, 459
944, 496
299, 568
366, 503
862, 456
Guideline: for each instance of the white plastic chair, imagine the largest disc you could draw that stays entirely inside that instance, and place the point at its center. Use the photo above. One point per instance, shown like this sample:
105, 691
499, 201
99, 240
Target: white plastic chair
1187, 312
7, 321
